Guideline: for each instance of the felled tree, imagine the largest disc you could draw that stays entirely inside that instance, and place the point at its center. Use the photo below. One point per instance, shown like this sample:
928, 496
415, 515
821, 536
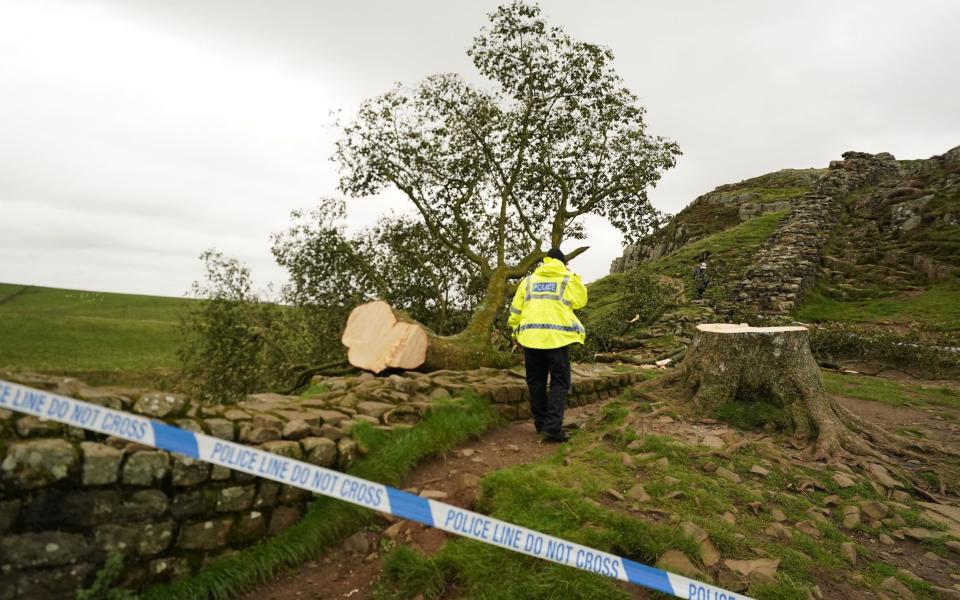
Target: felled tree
395, 259
331, 270
773, 365
499, 173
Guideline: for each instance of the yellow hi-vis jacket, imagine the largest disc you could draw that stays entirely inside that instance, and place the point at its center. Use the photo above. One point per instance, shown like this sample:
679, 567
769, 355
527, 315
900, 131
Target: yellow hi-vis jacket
541, 315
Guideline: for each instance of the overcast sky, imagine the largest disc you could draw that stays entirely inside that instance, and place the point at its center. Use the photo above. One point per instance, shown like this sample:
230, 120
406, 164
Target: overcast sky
134, 134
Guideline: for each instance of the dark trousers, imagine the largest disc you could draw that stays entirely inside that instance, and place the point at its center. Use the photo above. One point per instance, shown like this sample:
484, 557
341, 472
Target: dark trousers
548, 409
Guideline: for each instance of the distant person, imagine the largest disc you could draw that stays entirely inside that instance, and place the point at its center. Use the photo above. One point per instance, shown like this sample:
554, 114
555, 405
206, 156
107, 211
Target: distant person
543, 323
701, 279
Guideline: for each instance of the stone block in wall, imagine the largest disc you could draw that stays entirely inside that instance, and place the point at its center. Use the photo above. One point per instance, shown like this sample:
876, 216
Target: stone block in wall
240, 477
60, 582
404, 415
298, 429
114, 538
439, 394
236, 498
346, 452
235, 414
169, 568
160, 405
267, 421
291, 495
307, 416
287, 448
36, 463
146, 467
523, 410
102, 397
9, 511
205, 535
220, 428
101, 463
49, 508
283, 517
373, 409
249, 528
193, 504
77, 434
6, 430
188, 471
330, 432
267, 493
507, 411
189, 425
43, 549
358, 419
218, 473
252, 434
321, 451
507, 394
31, 426
154, 538
144, 505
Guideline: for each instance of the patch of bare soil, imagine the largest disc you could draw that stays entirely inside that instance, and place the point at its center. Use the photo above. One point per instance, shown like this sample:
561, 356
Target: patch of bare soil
893, 418
352, 568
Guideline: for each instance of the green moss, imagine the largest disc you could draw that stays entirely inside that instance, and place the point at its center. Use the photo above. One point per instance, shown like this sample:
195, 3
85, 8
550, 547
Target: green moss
751, 415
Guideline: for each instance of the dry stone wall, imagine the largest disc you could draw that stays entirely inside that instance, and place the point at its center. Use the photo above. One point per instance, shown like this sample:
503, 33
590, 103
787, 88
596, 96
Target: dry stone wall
70, 498
787, 266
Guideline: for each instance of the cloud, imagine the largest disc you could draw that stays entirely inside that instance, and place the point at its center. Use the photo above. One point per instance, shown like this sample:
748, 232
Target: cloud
137, 133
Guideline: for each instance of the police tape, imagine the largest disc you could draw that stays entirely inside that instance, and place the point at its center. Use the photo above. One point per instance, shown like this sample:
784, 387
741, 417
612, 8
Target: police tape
312, 478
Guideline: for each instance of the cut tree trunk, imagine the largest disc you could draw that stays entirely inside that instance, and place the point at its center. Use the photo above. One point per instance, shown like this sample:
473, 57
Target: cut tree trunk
738, 363
379, 338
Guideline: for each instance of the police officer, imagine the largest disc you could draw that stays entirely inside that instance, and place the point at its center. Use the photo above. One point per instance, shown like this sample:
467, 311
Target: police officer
543, 322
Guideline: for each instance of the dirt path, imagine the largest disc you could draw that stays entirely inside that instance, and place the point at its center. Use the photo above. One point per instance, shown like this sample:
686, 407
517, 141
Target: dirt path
908, 418
352, 568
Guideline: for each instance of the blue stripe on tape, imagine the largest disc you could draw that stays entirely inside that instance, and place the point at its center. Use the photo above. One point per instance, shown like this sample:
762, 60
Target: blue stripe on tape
647, 576
408, 506
175, 439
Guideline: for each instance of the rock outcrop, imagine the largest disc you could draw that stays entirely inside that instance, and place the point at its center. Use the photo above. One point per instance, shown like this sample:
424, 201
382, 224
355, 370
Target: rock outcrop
787, 266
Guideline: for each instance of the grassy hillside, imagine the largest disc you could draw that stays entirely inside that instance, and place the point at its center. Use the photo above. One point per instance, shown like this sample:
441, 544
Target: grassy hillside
719, 209
731, 251
937, 306
100, 337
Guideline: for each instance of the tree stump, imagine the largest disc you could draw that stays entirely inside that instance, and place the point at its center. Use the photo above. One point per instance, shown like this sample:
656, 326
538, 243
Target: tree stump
738, 363
379, 338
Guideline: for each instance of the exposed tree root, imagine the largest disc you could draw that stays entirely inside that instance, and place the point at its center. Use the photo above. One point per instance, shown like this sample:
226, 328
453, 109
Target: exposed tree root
774, 366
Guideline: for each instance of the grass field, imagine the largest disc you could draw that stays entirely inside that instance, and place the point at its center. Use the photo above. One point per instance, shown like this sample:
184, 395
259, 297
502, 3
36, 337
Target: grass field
100, 337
